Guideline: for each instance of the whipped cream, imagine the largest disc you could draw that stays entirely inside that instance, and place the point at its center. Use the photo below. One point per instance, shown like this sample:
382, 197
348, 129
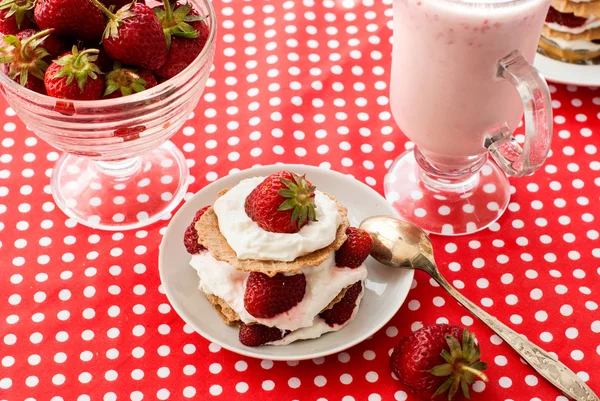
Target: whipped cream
323, 284
591, 23
579, 44
319, 327
249, 241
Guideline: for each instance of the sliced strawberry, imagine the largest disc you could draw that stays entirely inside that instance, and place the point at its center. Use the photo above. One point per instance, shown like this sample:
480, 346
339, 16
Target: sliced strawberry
342, 311
355, 250
266, 296
253, 335
565, 19
190, 239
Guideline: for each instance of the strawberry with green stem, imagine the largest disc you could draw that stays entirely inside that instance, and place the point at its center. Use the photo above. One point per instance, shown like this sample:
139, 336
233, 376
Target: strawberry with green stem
186, 33
75, 76
436, 359
16, 15
124, 81
26, 60
283, 203
134, 36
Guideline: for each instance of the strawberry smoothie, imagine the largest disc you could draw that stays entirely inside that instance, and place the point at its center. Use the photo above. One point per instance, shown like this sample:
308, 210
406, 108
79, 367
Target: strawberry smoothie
445, 92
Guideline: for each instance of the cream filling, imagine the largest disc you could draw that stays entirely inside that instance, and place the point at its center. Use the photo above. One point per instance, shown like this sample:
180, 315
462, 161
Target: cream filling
323, 284
249, 241
579, 44
319, 327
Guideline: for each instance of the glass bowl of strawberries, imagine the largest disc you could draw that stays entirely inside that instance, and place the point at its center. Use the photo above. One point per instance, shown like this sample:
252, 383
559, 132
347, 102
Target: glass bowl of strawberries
109, 82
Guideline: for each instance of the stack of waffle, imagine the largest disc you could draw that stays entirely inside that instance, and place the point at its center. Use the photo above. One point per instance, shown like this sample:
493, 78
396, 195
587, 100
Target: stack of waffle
572, 30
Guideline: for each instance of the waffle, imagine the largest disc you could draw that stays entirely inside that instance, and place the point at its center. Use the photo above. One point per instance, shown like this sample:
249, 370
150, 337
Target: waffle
584, 10
567, 55
211, 238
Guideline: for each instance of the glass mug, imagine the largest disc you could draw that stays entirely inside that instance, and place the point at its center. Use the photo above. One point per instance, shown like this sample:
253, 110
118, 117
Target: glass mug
461, 78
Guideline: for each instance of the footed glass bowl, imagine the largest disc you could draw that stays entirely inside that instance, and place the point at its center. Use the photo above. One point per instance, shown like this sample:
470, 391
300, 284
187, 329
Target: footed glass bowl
119, 170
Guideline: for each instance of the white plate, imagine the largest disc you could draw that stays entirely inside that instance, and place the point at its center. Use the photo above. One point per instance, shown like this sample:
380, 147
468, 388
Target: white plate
566, 73
386, 288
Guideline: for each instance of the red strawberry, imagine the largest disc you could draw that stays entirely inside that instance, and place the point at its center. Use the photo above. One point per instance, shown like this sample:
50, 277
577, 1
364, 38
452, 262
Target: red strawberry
343, 310
190, 238
355, 250
253, 335
26, 59
283, 203
134, 36
186, 33
266, 296
75, 76
74, 18
122, 81
16, 15
432, 361
565, 19
53, 45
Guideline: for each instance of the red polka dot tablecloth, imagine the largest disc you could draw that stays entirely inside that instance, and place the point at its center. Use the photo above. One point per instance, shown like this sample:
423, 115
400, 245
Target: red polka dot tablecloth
83, 315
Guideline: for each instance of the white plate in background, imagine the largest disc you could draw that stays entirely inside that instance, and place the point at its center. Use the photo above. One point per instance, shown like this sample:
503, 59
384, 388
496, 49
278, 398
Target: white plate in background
567, 73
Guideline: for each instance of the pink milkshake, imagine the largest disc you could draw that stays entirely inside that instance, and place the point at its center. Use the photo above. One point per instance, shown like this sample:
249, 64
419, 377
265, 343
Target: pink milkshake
461, 79
445, 89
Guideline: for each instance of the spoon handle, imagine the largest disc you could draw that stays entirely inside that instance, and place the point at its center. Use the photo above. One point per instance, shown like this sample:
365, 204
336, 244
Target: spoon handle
546, 365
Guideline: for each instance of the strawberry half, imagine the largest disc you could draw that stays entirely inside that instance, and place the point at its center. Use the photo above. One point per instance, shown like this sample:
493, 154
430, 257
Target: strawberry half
134, 36
72, 18
283, 203
26, 59
355, 250
122, 81
16, 15
190, 238
186, 34
253, 335
266, 296
433, 361
75, 76
342, 311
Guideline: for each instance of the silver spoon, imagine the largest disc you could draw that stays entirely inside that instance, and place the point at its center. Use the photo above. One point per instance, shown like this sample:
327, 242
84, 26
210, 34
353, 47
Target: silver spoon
400, 244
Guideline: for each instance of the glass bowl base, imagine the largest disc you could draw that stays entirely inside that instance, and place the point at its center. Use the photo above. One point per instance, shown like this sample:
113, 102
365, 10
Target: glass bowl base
447, 208
121, 195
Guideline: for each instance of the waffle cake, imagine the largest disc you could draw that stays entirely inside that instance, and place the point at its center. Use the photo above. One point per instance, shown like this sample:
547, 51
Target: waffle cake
572, 31
279, 282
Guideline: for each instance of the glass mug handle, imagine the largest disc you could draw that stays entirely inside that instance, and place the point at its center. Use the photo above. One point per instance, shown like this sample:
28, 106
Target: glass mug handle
515, 160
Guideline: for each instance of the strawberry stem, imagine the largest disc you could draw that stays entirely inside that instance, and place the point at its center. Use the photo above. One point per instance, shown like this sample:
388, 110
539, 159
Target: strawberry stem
27, 41
168, 12
77, 62
105, 10
475, 372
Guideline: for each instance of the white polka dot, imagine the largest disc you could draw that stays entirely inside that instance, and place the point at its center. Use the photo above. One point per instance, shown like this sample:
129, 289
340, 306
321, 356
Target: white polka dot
505, 382
294, 382
577, 355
